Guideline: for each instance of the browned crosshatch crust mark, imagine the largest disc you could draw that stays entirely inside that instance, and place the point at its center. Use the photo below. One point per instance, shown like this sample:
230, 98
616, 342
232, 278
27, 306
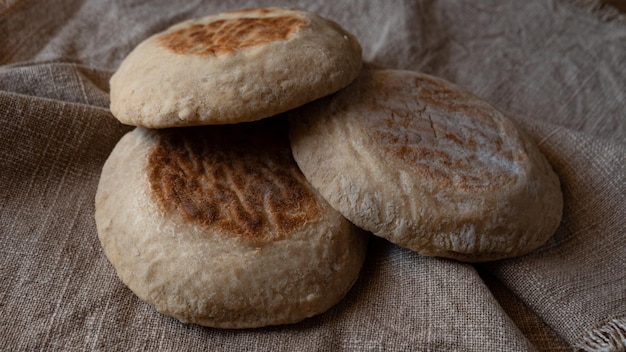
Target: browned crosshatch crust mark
242, 184
419, 134
225, 36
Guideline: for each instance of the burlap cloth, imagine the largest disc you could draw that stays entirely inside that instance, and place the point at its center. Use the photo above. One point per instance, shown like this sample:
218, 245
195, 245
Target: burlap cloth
556, 66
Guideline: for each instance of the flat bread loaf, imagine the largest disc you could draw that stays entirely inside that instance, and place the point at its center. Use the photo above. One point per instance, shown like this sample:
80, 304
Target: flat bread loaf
217, 226
233, 67
428, 166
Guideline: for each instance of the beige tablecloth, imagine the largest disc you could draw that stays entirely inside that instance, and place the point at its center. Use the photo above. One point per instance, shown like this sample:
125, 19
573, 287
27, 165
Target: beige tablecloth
558, 67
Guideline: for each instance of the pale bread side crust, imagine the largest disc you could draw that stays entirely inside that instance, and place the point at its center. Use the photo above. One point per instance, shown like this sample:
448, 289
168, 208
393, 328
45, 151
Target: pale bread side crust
212, 274
428, 166
185, 76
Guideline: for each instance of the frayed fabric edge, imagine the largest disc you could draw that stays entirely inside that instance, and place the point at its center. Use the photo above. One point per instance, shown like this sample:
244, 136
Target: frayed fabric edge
608, 338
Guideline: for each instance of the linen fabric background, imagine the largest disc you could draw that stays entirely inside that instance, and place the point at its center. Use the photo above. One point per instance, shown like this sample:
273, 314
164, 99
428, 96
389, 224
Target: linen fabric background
557, 67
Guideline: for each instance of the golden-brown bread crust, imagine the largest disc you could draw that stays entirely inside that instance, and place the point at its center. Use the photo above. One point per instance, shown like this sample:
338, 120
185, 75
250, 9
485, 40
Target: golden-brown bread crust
214, 271
450, 151
225, 36
266, 194
428, 166
233, 67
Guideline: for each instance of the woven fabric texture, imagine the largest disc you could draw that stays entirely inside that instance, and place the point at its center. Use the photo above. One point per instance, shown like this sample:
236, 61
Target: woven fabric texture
557, 67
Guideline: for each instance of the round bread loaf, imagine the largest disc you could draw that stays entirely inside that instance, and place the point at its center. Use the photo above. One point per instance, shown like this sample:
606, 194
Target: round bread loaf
233, 67
217, 226
420, 162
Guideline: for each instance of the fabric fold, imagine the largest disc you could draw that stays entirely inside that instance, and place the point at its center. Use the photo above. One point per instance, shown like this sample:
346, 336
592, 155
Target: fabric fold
556, 66
576, 282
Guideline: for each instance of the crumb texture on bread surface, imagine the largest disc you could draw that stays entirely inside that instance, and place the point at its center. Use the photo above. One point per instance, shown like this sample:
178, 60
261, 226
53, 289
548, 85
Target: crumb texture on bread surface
425, 164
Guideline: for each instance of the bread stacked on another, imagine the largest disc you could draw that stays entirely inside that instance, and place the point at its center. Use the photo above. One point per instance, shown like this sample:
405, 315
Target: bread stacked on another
216, 225
233, 67
204, 213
